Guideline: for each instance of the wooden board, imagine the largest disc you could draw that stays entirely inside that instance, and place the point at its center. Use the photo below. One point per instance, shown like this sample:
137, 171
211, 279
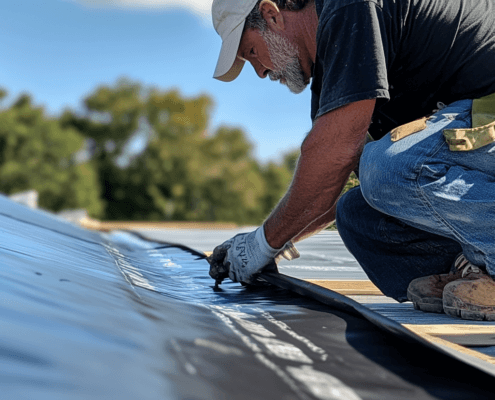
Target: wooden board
348, 288
473, 338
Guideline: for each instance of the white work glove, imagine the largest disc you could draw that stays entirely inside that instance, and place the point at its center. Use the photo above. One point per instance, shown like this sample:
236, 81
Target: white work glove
247, 254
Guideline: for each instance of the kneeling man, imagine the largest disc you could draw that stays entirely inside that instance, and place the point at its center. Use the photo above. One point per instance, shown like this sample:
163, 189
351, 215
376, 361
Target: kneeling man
418, 77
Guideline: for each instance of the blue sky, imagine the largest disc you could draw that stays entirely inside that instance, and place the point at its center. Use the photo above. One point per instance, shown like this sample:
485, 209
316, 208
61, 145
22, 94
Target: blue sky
61, 50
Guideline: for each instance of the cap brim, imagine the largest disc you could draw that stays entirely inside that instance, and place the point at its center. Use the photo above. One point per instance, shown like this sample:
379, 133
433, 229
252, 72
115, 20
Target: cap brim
228, 65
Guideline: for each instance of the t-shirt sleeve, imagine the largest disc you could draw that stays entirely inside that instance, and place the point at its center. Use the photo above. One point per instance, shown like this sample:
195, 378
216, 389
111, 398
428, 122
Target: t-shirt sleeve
351, 54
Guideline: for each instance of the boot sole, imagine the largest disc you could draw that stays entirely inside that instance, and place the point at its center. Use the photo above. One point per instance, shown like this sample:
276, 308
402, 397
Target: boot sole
468, 311
469, 314
426, 304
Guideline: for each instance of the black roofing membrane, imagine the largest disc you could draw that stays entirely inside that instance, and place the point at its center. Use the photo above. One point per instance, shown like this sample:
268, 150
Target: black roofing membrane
89, 315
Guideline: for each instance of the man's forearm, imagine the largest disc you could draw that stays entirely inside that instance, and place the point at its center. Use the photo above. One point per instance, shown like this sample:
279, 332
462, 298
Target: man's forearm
328, 156
316, 226
307, 207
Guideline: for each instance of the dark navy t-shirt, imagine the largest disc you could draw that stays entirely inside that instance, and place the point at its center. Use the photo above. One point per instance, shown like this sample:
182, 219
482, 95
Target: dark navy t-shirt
407, 54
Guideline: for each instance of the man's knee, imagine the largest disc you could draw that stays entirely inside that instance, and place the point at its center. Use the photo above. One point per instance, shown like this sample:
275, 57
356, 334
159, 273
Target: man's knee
383, 178
354, 216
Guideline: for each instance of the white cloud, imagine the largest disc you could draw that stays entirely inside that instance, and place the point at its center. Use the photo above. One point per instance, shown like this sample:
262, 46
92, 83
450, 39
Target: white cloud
201, 8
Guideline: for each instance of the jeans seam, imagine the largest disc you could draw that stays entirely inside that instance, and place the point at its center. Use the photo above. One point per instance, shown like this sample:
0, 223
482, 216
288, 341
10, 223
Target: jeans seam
438, 217
428, 204
423, 195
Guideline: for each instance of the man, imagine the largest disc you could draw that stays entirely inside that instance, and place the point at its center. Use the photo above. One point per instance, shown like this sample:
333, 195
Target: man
422, 222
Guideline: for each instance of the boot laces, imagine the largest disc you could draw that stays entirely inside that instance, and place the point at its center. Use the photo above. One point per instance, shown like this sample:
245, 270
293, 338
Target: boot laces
470, 268
463, 263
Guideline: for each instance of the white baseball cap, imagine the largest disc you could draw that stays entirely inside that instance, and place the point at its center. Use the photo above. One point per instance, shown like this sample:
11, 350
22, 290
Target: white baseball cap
229, 17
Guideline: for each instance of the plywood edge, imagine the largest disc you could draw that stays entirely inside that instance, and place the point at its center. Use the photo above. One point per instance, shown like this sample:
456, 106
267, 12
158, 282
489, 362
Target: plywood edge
455, 329
464, 335
420, 331
348, 287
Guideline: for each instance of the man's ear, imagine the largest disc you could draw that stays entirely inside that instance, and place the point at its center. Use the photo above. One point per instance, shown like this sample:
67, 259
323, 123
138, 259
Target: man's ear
272, 15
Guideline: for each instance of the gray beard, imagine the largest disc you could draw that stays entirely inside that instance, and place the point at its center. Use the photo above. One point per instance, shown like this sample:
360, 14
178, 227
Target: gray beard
284, 56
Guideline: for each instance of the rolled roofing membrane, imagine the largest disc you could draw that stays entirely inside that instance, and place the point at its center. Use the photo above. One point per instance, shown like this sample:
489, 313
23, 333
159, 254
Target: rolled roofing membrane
112, 316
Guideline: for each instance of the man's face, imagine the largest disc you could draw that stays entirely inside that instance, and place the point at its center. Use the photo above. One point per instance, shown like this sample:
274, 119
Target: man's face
273, 55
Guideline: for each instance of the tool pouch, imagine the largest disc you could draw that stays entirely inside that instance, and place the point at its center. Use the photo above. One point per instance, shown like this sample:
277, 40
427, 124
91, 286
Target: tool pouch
408, 129
482, 131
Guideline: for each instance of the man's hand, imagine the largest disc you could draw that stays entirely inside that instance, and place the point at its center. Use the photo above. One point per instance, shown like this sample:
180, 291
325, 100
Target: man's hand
243, 257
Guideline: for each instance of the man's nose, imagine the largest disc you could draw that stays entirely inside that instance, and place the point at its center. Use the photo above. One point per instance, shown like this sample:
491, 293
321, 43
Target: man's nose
260, 69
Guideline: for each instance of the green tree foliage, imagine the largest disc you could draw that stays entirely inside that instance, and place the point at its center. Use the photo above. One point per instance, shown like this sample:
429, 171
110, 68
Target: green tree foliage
352, 182
36, 152
184, 172
136, 153
277, 177
112, 118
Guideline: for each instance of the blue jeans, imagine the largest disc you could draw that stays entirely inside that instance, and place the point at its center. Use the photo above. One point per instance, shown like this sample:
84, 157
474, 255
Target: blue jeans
420, 204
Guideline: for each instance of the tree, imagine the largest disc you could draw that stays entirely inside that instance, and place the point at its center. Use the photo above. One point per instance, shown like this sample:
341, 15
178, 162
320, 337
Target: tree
234, 184
111, 119
277, 178
36, 152
138, 153
183, 172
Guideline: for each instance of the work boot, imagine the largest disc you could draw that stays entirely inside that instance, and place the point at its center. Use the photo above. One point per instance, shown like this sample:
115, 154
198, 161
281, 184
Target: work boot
426, 293
470, 299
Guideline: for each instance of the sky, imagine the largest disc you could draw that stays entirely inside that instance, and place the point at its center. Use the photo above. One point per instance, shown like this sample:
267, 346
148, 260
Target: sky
59, 51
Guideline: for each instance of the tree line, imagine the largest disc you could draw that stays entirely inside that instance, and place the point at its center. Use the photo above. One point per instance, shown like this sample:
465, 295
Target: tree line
137, 153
